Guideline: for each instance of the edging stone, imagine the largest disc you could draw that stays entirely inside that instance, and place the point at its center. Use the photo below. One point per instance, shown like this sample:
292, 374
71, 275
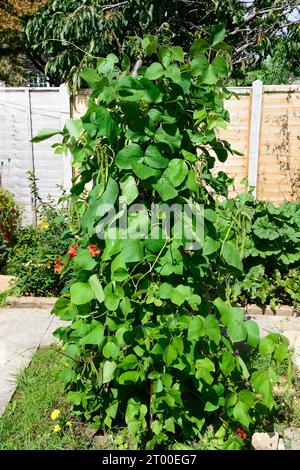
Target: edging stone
265, 440
287, 439
30, 302
281, 310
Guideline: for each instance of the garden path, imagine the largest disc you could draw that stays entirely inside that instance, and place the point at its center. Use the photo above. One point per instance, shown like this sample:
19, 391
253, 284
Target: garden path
22, 331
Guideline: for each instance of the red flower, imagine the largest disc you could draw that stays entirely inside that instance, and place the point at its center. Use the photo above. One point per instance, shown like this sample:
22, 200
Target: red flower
72, 251
241, 433
57, 266
94, 250
57, 269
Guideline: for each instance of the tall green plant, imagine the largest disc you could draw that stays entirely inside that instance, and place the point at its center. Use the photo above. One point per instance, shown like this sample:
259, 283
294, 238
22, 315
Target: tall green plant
148, 347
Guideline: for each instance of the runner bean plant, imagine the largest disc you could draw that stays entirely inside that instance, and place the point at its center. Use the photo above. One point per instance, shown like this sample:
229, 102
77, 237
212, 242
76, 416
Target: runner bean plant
149, 347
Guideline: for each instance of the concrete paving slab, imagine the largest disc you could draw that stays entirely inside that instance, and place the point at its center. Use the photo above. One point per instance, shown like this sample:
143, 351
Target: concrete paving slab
271, 324
287, 326
48, 337
22, 331
6, 282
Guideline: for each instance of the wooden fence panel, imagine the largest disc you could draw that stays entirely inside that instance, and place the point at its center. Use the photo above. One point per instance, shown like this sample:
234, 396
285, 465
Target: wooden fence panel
279, 155
265, 127
237, 134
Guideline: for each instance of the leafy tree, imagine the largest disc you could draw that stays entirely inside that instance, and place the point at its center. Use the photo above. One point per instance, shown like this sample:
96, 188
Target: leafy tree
153, 344
282, 66
69, 33
16, 62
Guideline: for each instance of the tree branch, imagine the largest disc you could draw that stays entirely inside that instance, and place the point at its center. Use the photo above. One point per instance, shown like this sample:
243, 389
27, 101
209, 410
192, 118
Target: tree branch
116, 5
255, 13
284, 26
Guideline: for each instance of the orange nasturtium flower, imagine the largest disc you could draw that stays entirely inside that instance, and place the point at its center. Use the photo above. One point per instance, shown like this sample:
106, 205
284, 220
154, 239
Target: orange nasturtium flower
259, 39
57, 266
94, 250
72, 251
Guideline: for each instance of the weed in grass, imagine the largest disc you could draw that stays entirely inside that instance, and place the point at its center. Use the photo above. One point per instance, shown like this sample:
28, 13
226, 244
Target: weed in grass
7, 293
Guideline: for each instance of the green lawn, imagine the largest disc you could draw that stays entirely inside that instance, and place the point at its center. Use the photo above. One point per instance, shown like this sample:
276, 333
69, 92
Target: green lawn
26, 423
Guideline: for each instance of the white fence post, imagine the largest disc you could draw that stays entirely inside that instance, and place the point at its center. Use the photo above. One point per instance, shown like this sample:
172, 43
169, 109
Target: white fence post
256, 111
30, 149
65, 112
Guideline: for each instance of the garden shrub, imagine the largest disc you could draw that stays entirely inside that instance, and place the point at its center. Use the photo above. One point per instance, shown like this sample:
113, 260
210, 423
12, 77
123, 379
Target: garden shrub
37, 251
150, 346
269, 242
33, 257
10, 214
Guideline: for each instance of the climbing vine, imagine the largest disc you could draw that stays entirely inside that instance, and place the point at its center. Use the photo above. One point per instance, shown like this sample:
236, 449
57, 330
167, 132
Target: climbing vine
151, 346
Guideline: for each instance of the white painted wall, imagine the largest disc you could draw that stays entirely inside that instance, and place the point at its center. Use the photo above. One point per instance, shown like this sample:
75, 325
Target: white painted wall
23, 112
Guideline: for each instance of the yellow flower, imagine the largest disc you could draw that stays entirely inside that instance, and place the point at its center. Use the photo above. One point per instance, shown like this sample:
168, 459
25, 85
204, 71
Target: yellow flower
48, 266
69, 424
57, 428
42, 224
55, 414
